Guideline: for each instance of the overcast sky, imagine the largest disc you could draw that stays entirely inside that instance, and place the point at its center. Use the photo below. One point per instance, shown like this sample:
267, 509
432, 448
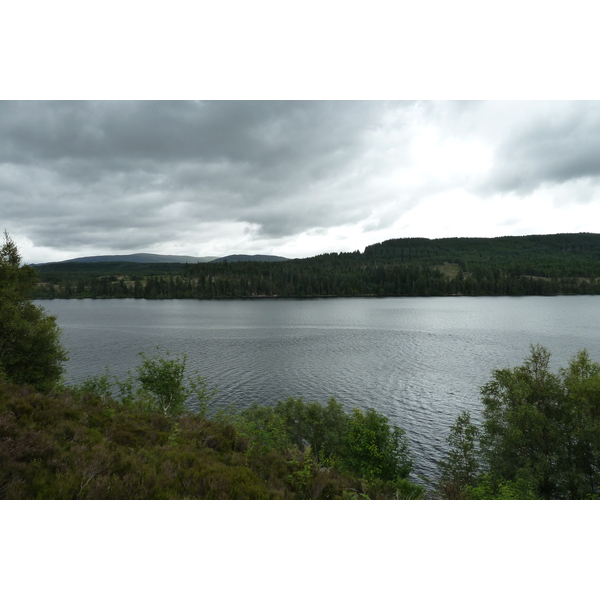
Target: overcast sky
289, 178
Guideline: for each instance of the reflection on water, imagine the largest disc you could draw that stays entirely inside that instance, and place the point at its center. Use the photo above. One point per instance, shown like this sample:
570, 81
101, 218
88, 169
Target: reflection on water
420, 361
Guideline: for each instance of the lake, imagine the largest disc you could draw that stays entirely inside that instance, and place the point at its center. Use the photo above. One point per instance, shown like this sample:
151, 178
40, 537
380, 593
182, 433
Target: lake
419, 361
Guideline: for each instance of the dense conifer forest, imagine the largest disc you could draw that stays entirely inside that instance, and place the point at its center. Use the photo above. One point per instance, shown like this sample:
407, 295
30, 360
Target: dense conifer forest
528, 265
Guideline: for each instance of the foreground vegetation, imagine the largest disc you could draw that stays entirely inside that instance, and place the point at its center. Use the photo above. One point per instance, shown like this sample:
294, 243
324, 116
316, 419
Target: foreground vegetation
93, 443
531, 265
111, 439
149, 436
540, 437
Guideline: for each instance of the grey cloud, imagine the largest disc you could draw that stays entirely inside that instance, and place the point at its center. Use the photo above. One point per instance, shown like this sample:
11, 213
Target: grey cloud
267, 133
281, 166
559, 144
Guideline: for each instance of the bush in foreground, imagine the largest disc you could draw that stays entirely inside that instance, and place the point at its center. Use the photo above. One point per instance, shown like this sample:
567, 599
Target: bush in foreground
540, 438
361, 444
78, 445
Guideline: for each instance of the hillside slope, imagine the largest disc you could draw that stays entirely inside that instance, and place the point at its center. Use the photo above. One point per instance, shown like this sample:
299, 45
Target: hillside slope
142, 257
527, 265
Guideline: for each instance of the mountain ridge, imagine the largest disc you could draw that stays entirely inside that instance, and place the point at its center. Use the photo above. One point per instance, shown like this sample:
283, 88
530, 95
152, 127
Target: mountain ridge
142, 257
148, 258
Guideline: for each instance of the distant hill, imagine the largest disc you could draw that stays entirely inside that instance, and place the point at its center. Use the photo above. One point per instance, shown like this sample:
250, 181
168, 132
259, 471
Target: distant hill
249, 258
146, 258
141, 258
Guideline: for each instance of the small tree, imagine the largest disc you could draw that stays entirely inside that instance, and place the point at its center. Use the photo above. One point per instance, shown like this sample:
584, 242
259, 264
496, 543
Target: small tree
460, 466
373, 449
523, 411
580, 458
163, 380
30, 350
540, 436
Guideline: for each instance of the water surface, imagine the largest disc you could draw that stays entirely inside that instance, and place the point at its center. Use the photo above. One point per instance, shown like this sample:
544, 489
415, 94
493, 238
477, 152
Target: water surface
420, 361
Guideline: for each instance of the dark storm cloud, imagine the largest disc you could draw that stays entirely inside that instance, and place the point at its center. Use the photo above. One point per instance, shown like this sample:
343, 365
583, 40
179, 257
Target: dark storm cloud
97, 166
114, 134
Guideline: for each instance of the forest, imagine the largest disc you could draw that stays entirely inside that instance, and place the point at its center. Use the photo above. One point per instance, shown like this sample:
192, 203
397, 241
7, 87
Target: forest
512, 265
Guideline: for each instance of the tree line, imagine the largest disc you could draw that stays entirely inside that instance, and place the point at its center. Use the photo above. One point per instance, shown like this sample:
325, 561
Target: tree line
528, 265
